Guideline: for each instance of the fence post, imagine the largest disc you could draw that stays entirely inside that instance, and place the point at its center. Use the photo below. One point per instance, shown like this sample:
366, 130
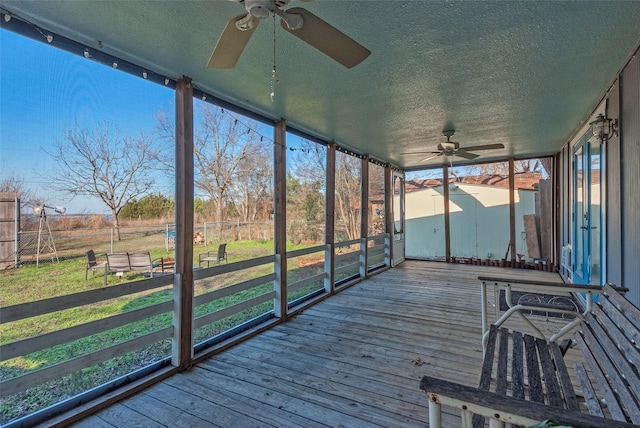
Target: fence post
111, 240
17, 233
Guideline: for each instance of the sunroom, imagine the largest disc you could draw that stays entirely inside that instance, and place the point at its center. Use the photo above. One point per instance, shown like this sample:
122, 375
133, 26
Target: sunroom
395, 152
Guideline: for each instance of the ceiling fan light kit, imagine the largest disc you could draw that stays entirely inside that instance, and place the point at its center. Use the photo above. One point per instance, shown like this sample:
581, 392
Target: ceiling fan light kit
449, 148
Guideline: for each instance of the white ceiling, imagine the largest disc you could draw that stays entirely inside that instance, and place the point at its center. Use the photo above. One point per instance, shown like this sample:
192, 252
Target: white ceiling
521, 73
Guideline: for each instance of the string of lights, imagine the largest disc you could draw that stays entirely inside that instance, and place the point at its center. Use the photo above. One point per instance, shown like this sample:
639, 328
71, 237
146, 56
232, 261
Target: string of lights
24, 27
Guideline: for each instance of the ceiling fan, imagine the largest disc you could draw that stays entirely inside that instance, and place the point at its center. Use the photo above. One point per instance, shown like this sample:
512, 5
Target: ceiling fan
451, 148
297, 21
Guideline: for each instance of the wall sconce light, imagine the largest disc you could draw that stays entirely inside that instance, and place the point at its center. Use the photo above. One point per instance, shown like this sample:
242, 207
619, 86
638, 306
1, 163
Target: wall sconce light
603, 127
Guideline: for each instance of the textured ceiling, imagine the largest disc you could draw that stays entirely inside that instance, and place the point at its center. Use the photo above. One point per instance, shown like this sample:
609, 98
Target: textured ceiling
521, 73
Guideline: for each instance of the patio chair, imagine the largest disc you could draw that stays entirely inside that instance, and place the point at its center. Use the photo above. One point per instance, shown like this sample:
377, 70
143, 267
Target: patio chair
213, 256
93, 264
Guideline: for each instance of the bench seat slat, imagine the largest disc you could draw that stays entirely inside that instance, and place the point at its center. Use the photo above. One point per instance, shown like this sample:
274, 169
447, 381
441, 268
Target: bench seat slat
517, 371
503, 354
487, 364
612, 404
590, 398
549, 374
564, 380
487, 368
533, 372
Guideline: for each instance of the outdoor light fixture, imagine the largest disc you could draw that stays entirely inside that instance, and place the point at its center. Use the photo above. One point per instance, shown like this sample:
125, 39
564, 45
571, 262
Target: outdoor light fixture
603, 127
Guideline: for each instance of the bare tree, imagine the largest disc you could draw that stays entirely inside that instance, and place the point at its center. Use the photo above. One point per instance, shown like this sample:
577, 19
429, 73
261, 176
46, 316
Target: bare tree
253, 194
14, 184
347, 195
224, 149
105, 164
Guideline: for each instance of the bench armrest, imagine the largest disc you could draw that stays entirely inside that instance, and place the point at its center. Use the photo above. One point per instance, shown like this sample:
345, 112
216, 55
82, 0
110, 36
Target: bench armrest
569, 288
508, 409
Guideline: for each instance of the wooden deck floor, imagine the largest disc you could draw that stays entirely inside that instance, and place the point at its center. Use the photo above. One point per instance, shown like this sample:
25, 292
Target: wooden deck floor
354, 360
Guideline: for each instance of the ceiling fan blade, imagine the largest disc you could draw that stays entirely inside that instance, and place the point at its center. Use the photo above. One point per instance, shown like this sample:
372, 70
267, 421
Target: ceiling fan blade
327, 39
485, 147
431, 157
465, 154
434, 152
231, 43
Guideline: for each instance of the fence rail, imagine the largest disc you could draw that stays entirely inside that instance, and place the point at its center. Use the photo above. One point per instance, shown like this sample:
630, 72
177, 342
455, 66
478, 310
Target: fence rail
231, 295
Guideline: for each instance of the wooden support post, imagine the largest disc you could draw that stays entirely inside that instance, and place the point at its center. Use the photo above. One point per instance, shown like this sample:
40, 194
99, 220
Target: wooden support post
388, 214
330, 208
364, 214
447, 220
182, 343
512, 211
280, 217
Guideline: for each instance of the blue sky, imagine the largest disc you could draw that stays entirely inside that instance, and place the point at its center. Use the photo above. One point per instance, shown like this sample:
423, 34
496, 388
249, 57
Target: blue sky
44, 91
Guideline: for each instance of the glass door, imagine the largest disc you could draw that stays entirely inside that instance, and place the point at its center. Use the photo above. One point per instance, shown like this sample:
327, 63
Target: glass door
587, 211
397, 209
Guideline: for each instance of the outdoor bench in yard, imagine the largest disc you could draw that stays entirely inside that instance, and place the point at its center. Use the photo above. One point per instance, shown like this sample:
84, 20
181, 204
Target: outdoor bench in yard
129, 262
538, 386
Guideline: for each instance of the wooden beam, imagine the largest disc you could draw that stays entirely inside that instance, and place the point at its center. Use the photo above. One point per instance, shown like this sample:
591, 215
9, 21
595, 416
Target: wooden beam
182, 343
364, 214
447, 220
329, 228
280, 217
388, 213
512, 210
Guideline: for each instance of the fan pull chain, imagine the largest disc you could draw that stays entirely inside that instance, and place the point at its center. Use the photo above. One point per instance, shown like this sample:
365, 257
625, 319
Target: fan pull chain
274, 74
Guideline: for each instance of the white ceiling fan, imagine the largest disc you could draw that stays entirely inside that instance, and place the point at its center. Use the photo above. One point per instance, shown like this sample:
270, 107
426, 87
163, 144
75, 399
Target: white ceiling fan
297, 21
450, 148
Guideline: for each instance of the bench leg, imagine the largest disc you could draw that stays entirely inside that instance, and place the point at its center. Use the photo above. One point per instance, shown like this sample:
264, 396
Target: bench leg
467, 418
494, 423
435, 415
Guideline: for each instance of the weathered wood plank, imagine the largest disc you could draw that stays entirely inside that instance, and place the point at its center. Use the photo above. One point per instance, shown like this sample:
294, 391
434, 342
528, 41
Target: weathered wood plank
162, 405
517, 370
564, 380
549, 374
503, 355
591, 400
322, 366
500, 403
607, 392
533, 372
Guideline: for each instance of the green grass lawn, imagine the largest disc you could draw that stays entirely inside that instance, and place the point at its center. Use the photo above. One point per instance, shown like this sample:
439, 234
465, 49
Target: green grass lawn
30, 283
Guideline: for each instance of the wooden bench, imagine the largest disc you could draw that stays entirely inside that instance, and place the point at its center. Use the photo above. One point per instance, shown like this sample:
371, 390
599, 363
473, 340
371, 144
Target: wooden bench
607, 337
509, 285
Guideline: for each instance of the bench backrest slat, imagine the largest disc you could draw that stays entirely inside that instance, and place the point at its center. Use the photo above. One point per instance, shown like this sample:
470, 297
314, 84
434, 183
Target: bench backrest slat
590, 397
622, 322
612, 362
140, 261
630, 312
612, 403
615, 351
118, 261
